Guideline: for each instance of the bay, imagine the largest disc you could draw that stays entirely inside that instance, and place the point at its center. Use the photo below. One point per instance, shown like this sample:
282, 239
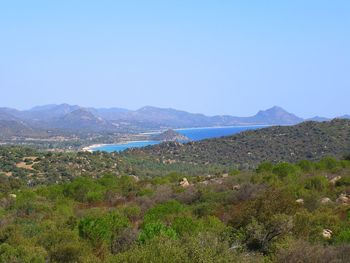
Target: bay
195, 134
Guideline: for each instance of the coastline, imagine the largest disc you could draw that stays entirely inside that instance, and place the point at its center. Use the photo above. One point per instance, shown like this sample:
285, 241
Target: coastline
207, 127
92, 148
222, 127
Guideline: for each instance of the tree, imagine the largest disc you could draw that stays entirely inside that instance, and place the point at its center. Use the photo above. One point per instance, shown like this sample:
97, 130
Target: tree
260, 235
102, 228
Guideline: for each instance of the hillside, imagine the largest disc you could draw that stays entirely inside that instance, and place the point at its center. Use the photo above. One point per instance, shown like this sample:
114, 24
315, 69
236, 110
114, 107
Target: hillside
308, 140
11, 128
102, 207
81, 120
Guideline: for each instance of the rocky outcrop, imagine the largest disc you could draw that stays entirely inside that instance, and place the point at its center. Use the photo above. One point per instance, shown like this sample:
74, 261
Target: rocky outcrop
171, 136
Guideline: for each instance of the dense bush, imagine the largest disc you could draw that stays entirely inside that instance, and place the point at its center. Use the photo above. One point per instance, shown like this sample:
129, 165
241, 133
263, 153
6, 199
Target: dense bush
102, 228
275, 213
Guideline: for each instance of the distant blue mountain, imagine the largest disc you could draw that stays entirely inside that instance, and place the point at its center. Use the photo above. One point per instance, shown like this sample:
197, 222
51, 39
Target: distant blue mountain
318, 118
75, 117
345, 117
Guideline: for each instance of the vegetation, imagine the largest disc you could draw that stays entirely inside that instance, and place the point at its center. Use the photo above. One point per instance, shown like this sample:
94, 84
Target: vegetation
33, 167
104, 209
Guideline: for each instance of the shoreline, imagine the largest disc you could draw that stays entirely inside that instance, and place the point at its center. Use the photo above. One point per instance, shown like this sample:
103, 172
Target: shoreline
206, 127
92, 148
222, 127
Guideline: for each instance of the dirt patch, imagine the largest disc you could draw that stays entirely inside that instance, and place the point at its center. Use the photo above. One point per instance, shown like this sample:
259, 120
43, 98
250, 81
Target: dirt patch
23, 165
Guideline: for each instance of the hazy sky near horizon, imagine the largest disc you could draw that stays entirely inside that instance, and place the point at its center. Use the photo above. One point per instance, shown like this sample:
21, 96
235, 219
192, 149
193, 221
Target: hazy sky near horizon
213, 57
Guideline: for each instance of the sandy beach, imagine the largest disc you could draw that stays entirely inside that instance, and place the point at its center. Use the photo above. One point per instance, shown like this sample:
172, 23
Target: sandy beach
91, 147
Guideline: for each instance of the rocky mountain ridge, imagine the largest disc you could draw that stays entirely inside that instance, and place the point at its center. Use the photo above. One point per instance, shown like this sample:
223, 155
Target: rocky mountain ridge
82, 119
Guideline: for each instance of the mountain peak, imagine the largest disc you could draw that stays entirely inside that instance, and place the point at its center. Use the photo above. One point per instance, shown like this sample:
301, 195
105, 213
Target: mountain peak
153, 108
80, 113
82, 118
274, 109
276, 115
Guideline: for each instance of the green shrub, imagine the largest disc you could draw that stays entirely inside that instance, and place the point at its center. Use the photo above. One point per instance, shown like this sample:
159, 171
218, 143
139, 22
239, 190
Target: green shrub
127, 185
185, 225
283, 170
347, 157
164, 212
102, 228
343, 236
152, 230
172, 177
344, 181
306, 166
328, 164
157, 250
132, 212
233, 172
202, 248
84, 189
204, 209
317, 182
22, 254
265, 167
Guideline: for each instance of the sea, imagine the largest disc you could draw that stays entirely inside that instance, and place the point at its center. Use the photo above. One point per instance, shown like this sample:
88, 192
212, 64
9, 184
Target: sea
195, 134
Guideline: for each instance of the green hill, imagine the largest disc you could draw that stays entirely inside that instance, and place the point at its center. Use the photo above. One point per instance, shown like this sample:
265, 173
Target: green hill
308, 140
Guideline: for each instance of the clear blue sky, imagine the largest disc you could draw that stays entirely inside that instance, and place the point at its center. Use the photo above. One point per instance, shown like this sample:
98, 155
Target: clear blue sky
213, 57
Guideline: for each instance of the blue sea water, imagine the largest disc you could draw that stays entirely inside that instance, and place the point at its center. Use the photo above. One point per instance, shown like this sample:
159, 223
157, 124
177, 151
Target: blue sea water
195, 134
124, 146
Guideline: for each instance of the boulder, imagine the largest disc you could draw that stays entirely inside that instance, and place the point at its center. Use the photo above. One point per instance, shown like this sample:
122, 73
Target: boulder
335, 179
325, 200
327, 233
204, 182
136, 178
236, 187
184, 183
343, 199
216, 181
300, 201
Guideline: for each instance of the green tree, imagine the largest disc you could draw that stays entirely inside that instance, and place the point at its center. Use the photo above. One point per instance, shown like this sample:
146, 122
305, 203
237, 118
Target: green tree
102, 228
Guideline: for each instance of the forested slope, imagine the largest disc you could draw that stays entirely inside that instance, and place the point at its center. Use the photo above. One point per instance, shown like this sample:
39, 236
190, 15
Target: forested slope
308, 140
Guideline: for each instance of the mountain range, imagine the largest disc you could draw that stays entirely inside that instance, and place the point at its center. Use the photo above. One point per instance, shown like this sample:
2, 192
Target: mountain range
74, 118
